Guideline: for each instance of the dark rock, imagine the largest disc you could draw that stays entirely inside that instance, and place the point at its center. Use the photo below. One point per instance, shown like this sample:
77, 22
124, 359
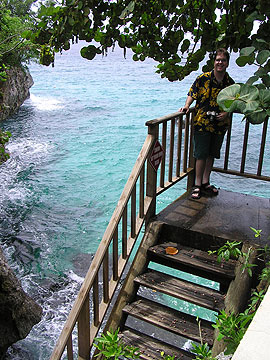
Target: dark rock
18, 312
14, 91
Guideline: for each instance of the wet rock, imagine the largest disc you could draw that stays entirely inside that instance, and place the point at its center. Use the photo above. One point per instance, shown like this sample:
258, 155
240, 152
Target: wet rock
14, 91
18, 311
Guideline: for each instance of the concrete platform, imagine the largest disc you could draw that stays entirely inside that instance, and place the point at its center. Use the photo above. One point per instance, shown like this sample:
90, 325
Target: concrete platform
228, 215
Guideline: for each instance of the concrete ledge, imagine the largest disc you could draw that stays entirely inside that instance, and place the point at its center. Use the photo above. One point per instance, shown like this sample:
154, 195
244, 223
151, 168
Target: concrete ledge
255, 343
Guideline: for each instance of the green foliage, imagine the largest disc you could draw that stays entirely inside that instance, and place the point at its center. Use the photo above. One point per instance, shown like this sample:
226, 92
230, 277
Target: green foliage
265, 275
15, 19
4, 138
111, 347
230, 250
167, 31
232, 328
247, 265
202, 352
257, 233
167, 357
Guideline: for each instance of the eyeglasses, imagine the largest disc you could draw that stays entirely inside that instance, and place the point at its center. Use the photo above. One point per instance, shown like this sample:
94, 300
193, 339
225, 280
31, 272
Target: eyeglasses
221, 60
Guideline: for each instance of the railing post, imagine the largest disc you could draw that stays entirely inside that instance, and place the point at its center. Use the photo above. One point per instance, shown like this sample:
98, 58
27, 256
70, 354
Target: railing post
191, 160
151, 180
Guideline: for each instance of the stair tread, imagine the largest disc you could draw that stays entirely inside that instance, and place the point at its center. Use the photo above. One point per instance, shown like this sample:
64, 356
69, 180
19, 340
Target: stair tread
170, 319
182, 289
151, 348
195, 259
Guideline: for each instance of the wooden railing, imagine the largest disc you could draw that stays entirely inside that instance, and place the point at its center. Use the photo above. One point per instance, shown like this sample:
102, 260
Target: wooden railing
137, 205
240, 168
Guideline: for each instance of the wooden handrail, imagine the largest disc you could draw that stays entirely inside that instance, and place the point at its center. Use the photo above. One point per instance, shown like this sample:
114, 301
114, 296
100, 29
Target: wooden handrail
241, 167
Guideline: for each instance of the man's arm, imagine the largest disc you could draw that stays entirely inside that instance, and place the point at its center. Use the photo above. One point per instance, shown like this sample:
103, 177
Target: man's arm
185, 108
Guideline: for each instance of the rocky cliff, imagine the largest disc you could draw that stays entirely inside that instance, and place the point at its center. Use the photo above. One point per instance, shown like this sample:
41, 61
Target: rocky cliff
18, 312
14, 91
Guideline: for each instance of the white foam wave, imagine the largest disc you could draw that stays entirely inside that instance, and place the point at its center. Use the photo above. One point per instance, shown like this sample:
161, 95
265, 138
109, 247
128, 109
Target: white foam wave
46, 103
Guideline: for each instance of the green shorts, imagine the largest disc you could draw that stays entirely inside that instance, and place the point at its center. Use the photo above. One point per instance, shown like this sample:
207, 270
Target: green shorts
207, 144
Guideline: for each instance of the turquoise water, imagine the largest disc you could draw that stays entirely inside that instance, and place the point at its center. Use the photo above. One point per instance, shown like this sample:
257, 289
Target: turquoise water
73, 145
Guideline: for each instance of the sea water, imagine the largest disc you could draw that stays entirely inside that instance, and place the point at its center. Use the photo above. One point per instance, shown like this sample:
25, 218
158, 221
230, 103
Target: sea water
73, 145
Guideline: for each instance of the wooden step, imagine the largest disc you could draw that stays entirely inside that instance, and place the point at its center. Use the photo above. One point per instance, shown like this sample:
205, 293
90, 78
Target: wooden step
194, 261
181, 289
170, 320
151, 348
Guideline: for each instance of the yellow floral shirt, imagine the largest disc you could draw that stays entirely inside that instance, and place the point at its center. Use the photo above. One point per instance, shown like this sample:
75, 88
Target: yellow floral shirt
205, 84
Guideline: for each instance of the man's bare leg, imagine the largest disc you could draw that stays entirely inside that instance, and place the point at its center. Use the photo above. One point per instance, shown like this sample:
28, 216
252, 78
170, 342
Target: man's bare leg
207, 170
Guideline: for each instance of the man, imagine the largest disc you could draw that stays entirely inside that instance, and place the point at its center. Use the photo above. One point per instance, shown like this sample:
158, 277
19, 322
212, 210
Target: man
210, 123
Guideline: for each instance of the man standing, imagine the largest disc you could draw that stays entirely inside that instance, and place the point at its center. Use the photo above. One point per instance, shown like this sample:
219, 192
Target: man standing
210, 124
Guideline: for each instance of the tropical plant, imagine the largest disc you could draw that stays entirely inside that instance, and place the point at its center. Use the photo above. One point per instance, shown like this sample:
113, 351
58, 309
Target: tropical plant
202, 351
247, 265
228, 251
111, 347
265, 275
232, 328
167, 357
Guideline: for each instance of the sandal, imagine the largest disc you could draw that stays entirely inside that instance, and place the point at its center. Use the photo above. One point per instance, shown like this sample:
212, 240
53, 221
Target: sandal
210, 190
196, 192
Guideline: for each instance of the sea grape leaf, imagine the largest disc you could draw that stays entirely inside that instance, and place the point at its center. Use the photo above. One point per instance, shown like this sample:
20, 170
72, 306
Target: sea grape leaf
247, 51
89, 52
229, 93
257, 117
262, 56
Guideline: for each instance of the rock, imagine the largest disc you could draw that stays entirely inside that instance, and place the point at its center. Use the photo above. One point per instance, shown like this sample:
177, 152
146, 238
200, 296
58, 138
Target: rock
14, 91
18, 312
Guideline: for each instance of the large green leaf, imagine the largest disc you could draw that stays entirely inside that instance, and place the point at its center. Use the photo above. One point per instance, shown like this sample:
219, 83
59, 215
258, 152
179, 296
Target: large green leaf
252, 80
264, 97
257, 117
227, 96
262, 56
247, 51
89, 52
243, 60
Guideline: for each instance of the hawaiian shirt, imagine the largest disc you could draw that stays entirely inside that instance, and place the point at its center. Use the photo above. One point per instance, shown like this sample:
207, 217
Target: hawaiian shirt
205, 90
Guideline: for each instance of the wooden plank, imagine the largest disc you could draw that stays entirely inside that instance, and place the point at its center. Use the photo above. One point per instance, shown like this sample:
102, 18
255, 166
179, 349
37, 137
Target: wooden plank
186, 140
151, 348
260, 163
181, 289
171, 154
115, 255
124, 233
179, 145
70, 348
164, 145
228, 144
190, 258
106, 277
141, 200
244, 149
170, 320
84, 330
133, 212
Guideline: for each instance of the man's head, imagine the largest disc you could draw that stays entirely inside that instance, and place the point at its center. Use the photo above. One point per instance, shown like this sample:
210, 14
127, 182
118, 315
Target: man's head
224, 52
221, 61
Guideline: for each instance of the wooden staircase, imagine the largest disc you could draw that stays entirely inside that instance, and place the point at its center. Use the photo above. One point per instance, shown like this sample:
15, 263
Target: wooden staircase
171, 328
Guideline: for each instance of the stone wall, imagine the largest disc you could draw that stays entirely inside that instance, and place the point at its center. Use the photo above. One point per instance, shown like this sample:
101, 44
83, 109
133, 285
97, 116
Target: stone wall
14, 91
